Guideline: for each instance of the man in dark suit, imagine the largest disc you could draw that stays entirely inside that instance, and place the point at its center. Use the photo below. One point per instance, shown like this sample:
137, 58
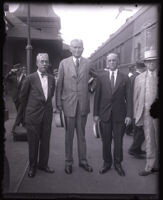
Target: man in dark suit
72, 97
36, 101
138, 132
112, 106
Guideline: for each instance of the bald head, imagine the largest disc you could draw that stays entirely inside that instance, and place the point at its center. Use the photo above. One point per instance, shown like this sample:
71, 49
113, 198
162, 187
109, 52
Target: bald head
76, 47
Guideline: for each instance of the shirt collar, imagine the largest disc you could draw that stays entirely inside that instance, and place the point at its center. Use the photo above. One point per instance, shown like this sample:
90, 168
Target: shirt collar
115, 71
39, 73
74, 59
151, 72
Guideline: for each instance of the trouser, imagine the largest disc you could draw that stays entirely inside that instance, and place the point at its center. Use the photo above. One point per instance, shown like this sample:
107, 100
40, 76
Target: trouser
151, 139
38, 140
77, 122
138, 139
116, 131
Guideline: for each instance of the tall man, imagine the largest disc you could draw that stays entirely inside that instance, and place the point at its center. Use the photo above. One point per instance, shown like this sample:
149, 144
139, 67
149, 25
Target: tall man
73, 97
36, 96
145, 93
112, 106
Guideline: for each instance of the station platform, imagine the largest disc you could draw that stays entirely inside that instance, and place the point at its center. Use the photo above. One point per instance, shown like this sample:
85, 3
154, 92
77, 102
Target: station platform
80, 181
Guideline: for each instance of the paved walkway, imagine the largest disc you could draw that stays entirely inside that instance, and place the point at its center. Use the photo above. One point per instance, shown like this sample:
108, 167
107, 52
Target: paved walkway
79, 182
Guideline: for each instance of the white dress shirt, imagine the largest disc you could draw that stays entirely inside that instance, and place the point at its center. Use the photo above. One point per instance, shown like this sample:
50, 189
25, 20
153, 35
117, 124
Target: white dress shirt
44, 84
74, 59
115, 75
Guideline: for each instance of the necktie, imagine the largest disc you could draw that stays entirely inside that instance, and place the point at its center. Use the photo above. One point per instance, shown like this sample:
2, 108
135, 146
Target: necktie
43, 74
77, 65
77, 62
112, 81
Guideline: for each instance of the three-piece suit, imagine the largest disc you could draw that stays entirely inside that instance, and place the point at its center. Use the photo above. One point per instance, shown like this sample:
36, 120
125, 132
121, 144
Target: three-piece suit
73, 96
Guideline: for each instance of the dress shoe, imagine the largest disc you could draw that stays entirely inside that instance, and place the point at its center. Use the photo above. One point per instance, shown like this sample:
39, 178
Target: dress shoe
31, 172
68, 169
136, 155
104, 169
119, 169
155, 170
86, 167
145, 173
47, 170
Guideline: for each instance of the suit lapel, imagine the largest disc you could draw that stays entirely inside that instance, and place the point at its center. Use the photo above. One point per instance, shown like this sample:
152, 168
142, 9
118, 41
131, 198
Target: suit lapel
118, 81
72, 68
39, 86
107, 82
49, 86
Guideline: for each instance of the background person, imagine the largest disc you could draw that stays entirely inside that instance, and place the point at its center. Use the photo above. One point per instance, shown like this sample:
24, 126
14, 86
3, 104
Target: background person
138, 132
145, 93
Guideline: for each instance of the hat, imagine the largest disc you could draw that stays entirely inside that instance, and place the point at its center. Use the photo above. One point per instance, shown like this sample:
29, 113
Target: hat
96, 129
59, 119
150, 55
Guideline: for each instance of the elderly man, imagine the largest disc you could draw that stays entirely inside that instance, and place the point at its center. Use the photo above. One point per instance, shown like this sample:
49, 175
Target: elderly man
72, 97
36, 95
113, 107
145, 93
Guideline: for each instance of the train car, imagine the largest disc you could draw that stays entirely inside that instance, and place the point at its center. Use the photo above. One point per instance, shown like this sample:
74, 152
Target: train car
138, 34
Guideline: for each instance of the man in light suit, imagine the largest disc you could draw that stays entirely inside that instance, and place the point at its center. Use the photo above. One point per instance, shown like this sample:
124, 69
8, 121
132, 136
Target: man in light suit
145, 93
138, 137
36, 102
113, 107
72, 97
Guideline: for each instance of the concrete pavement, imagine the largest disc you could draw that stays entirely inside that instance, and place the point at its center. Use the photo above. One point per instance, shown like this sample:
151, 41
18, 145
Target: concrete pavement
80, 181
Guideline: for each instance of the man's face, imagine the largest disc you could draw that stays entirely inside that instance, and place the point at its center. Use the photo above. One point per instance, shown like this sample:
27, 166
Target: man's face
151, 64
112, 62
42, 63
76, 48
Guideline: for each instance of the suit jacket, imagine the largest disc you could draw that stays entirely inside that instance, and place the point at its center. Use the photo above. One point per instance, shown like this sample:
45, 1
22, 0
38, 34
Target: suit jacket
116, 105
33, 101
139, 96
73, 87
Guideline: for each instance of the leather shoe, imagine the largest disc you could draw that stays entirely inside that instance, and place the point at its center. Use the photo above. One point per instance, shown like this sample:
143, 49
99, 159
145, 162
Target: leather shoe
31, 172
47, 170
145, 173
119, 169
155, 170
86, 167
68, 169
104, 169
136, 155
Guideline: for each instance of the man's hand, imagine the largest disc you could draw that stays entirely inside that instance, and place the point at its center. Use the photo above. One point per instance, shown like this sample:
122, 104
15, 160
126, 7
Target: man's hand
96, 119
127, 121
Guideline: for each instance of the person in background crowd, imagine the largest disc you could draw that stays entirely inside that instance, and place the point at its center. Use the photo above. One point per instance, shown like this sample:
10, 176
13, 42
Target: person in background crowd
36, 102
113, 107
131, 70
16, 78
72, 97
145, 93
138, 132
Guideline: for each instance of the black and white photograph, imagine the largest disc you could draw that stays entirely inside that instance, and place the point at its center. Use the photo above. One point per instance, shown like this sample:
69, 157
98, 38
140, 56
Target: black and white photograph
81, 100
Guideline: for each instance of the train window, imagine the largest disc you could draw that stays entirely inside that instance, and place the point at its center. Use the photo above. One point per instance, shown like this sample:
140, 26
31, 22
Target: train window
151, 38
